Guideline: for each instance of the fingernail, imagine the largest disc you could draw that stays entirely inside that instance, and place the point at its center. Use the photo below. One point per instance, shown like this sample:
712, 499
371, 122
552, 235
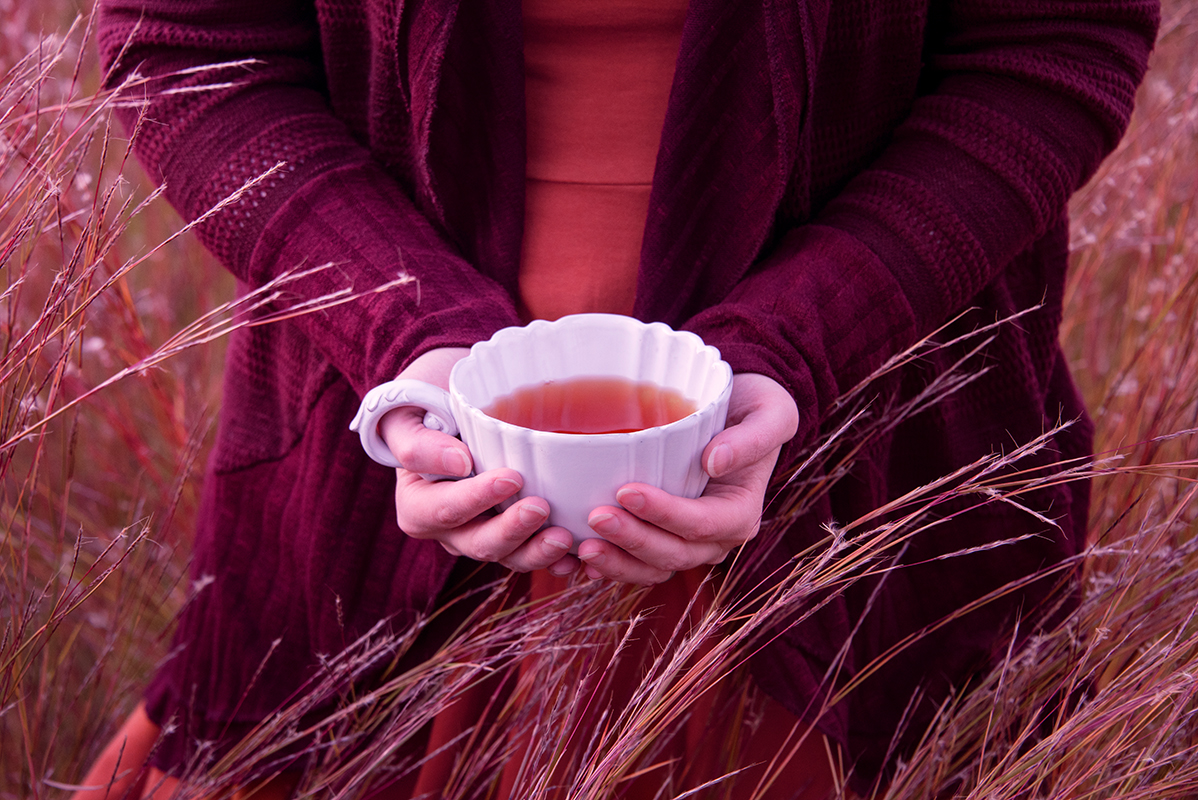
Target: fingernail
556, 544
454, 462
719, 461
595, 556
505, 487
604, 523
631, 499
594, 574
531, 514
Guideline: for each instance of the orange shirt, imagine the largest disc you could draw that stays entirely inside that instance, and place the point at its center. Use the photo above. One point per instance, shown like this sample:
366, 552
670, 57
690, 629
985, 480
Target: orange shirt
597, 80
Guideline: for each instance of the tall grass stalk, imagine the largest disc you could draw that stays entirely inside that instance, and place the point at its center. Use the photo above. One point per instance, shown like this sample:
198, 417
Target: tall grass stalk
100, 431
108, 370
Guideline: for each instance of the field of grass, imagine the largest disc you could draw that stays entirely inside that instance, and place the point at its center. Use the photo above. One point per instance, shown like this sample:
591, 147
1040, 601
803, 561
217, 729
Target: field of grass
111, 322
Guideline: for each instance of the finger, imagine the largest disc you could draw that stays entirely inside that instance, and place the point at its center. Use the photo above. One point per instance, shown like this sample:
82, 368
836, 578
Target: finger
545, 549
728, 514
513, 539
497, 538
422, 449
650, 544
602, 560
453, 514
564, 566
425, 509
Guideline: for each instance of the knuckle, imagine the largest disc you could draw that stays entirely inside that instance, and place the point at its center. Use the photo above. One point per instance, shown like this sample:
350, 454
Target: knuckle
705, 529
666, 519
410, 450
452, 515
403, 450
499, 546
634, 540
488, 551
423, 511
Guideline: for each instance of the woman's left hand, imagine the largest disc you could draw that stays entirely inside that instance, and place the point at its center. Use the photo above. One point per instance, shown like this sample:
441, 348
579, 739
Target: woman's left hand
653, 534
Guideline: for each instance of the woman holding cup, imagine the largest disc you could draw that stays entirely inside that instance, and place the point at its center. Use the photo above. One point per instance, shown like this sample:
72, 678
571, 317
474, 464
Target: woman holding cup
810, 187
641, 533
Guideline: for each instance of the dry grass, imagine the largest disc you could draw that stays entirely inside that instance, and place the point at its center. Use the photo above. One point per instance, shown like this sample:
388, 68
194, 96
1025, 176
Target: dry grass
109, 367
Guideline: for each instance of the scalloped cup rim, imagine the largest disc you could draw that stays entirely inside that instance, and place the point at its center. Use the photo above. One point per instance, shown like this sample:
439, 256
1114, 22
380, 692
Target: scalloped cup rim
479, 349
607, 437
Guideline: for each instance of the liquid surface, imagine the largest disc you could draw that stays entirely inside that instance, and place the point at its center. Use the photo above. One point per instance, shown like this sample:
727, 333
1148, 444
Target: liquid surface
591, 405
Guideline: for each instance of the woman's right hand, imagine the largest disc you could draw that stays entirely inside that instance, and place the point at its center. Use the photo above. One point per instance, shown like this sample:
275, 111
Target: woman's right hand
458, 513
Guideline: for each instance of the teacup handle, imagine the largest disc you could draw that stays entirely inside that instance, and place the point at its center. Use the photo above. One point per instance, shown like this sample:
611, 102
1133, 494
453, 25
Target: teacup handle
396, 394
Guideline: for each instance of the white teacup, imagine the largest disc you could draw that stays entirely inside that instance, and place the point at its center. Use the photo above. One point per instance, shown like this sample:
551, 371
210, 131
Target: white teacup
574, 472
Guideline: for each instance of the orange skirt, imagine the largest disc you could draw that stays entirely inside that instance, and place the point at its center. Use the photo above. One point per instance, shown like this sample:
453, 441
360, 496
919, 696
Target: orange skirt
733, 727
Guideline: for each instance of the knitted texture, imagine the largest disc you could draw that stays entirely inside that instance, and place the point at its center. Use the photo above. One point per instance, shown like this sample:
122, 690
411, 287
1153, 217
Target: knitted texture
835, 180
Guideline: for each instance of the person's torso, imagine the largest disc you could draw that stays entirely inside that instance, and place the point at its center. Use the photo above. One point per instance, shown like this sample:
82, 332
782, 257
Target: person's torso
437, 97
597, 76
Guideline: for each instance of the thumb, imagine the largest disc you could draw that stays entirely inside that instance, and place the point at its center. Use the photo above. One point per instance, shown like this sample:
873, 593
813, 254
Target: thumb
421, 449
764, 418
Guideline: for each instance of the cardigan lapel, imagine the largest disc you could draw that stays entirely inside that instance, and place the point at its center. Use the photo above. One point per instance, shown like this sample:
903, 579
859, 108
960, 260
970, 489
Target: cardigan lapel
466, 86
735, 143
424, 26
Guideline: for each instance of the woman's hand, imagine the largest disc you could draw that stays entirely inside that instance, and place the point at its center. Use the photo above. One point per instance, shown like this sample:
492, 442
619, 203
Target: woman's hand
457, 513
654, 534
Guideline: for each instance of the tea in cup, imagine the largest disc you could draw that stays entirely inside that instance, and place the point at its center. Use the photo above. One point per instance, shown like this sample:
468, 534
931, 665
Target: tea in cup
579, 406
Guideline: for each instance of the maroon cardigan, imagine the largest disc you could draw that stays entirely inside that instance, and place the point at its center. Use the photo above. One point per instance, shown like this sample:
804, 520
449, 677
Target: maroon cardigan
835, 180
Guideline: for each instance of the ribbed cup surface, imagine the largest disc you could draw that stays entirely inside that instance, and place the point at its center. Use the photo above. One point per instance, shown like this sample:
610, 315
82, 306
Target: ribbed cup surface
576, 473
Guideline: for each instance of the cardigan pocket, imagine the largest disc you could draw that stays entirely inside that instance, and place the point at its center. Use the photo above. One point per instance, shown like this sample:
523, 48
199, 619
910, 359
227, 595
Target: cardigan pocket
274, 377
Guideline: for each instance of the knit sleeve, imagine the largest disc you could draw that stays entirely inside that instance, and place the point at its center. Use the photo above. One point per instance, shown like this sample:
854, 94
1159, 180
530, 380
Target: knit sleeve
1020, 101
208, 131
